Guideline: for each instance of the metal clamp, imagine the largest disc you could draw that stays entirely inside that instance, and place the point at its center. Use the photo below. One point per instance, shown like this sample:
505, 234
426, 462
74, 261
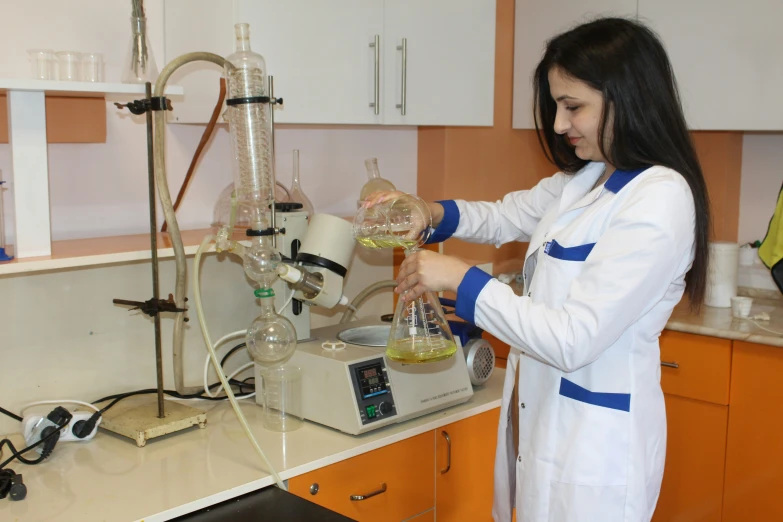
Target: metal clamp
357, 498
670, 364
137, 107
448, 453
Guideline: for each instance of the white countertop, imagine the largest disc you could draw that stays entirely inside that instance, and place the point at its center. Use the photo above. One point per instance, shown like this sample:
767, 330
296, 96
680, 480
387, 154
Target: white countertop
109, 478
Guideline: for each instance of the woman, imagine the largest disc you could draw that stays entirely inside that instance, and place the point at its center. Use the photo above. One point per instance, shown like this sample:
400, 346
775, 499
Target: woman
616, 238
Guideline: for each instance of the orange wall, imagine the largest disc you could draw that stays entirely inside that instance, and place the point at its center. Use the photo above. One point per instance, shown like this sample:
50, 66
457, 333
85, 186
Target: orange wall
483, 163
68, 120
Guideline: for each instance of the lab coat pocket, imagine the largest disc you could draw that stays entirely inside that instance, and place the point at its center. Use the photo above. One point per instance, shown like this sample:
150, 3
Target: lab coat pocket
593, 432
559, 267
578, 503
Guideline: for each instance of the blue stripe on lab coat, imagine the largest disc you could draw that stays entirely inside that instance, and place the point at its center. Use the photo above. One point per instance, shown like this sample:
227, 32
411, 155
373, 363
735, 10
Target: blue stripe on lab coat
575, 253
615, 401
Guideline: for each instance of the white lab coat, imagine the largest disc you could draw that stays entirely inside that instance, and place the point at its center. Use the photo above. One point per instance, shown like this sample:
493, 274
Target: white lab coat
604, 270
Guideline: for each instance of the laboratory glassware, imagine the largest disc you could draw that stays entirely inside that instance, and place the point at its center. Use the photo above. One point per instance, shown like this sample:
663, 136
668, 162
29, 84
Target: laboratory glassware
92, 67
297, 194
401, 222
420, 332
281, 389
43, 64
271, 338
375, 183
69, 66
139, 62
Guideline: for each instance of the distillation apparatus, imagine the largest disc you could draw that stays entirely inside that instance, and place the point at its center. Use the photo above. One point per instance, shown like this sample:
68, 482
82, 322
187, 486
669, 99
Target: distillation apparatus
316, 255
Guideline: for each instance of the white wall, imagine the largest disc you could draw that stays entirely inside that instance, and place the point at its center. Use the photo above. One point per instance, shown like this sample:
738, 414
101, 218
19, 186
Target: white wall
762, 177
60, 335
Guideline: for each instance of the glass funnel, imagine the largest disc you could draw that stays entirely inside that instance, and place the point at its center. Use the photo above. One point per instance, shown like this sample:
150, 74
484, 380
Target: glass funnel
402, 222
420, 332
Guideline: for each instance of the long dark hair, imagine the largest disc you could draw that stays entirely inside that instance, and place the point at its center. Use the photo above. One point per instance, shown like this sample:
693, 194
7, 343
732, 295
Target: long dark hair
626, 62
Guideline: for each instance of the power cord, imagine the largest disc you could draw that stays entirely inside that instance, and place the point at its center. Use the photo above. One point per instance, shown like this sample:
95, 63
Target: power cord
58, 419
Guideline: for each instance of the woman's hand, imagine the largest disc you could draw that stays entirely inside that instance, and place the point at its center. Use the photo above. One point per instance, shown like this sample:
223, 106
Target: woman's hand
381, 196
436, 209
427, 271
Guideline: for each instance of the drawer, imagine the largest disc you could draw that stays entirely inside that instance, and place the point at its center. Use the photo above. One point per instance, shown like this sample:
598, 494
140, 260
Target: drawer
406, 469
703, 366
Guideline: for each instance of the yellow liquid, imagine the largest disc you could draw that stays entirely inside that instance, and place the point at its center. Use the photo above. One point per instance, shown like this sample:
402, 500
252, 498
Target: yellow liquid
412, 351
386, 242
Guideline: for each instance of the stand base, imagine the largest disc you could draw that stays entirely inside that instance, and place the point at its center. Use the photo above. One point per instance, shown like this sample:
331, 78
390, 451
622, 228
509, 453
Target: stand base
139, 421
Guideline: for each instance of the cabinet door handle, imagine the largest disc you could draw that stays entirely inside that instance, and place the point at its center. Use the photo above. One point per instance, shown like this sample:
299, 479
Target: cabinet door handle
670, 364
448, 453
356, 498
404, 48
376, 103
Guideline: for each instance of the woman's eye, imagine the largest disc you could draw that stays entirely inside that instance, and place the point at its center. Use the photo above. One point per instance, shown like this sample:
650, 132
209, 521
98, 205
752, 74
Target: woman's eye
572, 108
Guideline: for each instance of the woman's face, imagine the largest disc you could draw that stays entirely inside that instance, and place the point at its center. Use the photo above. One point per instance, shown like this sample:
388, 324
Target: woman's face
578, 118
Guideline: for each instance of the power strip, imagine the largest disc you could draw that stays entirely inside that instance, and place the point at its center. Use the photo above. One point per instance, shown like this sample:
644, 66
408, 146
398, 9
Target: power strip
66, 434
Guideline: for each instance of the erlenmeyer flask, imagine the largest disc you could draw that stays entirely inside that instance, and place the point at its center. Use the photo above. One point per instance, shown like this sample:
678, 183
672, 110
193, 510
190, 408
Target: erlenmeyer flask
297, 194
420, 332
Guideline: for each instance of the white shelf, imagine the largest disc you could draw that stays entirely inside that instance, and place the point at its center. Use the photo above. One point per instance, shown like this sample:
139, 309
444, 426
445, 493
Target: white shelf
79, 89
114, 250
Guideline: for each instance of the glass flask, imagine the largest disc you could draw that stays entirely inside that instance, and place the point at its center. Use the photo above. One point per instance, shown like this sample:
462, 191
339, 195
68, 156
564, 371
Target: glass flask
261, 260
139, 63
250, 129
271, 339
239, 218
375, 183
401, 222
297, 194
420, 332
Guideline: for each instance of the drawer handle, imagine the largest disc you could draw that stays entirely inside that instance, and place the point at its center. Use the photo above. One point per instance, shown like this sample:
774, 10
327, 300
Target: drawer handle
356, 498
670, 364
448, 454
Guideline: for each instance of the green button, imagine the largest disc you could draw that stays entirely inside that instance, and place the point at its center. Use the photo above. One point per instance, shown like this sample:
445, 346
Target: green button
371, 411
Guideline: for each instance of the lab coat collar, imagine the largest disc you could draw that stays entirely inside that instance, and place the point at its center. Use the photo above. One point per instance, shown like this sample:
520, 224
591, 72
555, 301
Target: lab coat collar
620, 178
581, 185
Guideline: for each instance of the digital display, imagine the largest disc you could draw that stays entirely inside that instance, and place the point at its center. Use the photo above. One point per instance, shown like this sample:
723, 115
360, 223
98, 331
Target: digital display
371, 380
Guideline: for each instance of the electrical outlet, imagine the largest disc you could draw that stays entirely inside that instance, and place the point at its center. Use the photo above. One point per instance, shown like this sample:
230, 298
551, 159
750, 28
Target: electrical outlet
66, 434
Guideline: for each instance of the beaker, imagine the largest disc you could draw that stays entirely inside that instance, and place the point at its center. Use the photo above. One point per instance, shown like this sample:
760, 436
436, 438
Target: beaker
401, 222
281, 387
420, 332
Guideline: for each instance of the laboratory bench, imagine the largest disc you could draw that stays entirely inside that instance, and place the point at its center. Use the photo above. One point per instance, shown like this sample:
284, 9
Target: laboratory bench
110, 478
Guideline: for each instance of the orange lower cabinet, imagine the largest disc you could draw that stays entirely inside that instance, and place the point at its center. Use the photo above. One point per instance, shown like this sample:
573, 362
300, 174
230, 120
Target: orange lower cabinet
429, 516
390, 484
692, 489
754, 456
464, 472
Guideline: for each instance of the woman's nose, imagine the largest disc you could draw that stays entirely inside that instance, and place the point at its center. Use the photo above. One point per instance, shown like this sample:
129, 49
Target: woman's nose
562, 124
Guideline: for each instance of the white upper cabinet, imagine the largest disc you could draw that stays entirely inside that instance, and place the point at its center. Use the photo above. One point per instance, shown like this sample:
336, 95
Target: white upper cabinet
439, 59
727, 55
320, 56
536, 21
190, 26
326, 64
728, 59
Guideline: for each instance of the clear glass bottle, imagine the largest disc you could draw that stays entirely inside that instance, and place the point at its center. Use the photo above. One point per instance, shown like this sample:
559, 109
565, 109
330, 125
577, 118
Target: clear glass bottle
271, 338
420, 332
375, 183
139, 62
250, 129
297, 194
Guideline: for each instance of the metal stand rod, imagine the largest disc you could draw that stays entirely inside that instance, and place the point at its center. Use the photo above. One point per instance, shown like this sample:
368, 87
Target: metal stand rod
154, 245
